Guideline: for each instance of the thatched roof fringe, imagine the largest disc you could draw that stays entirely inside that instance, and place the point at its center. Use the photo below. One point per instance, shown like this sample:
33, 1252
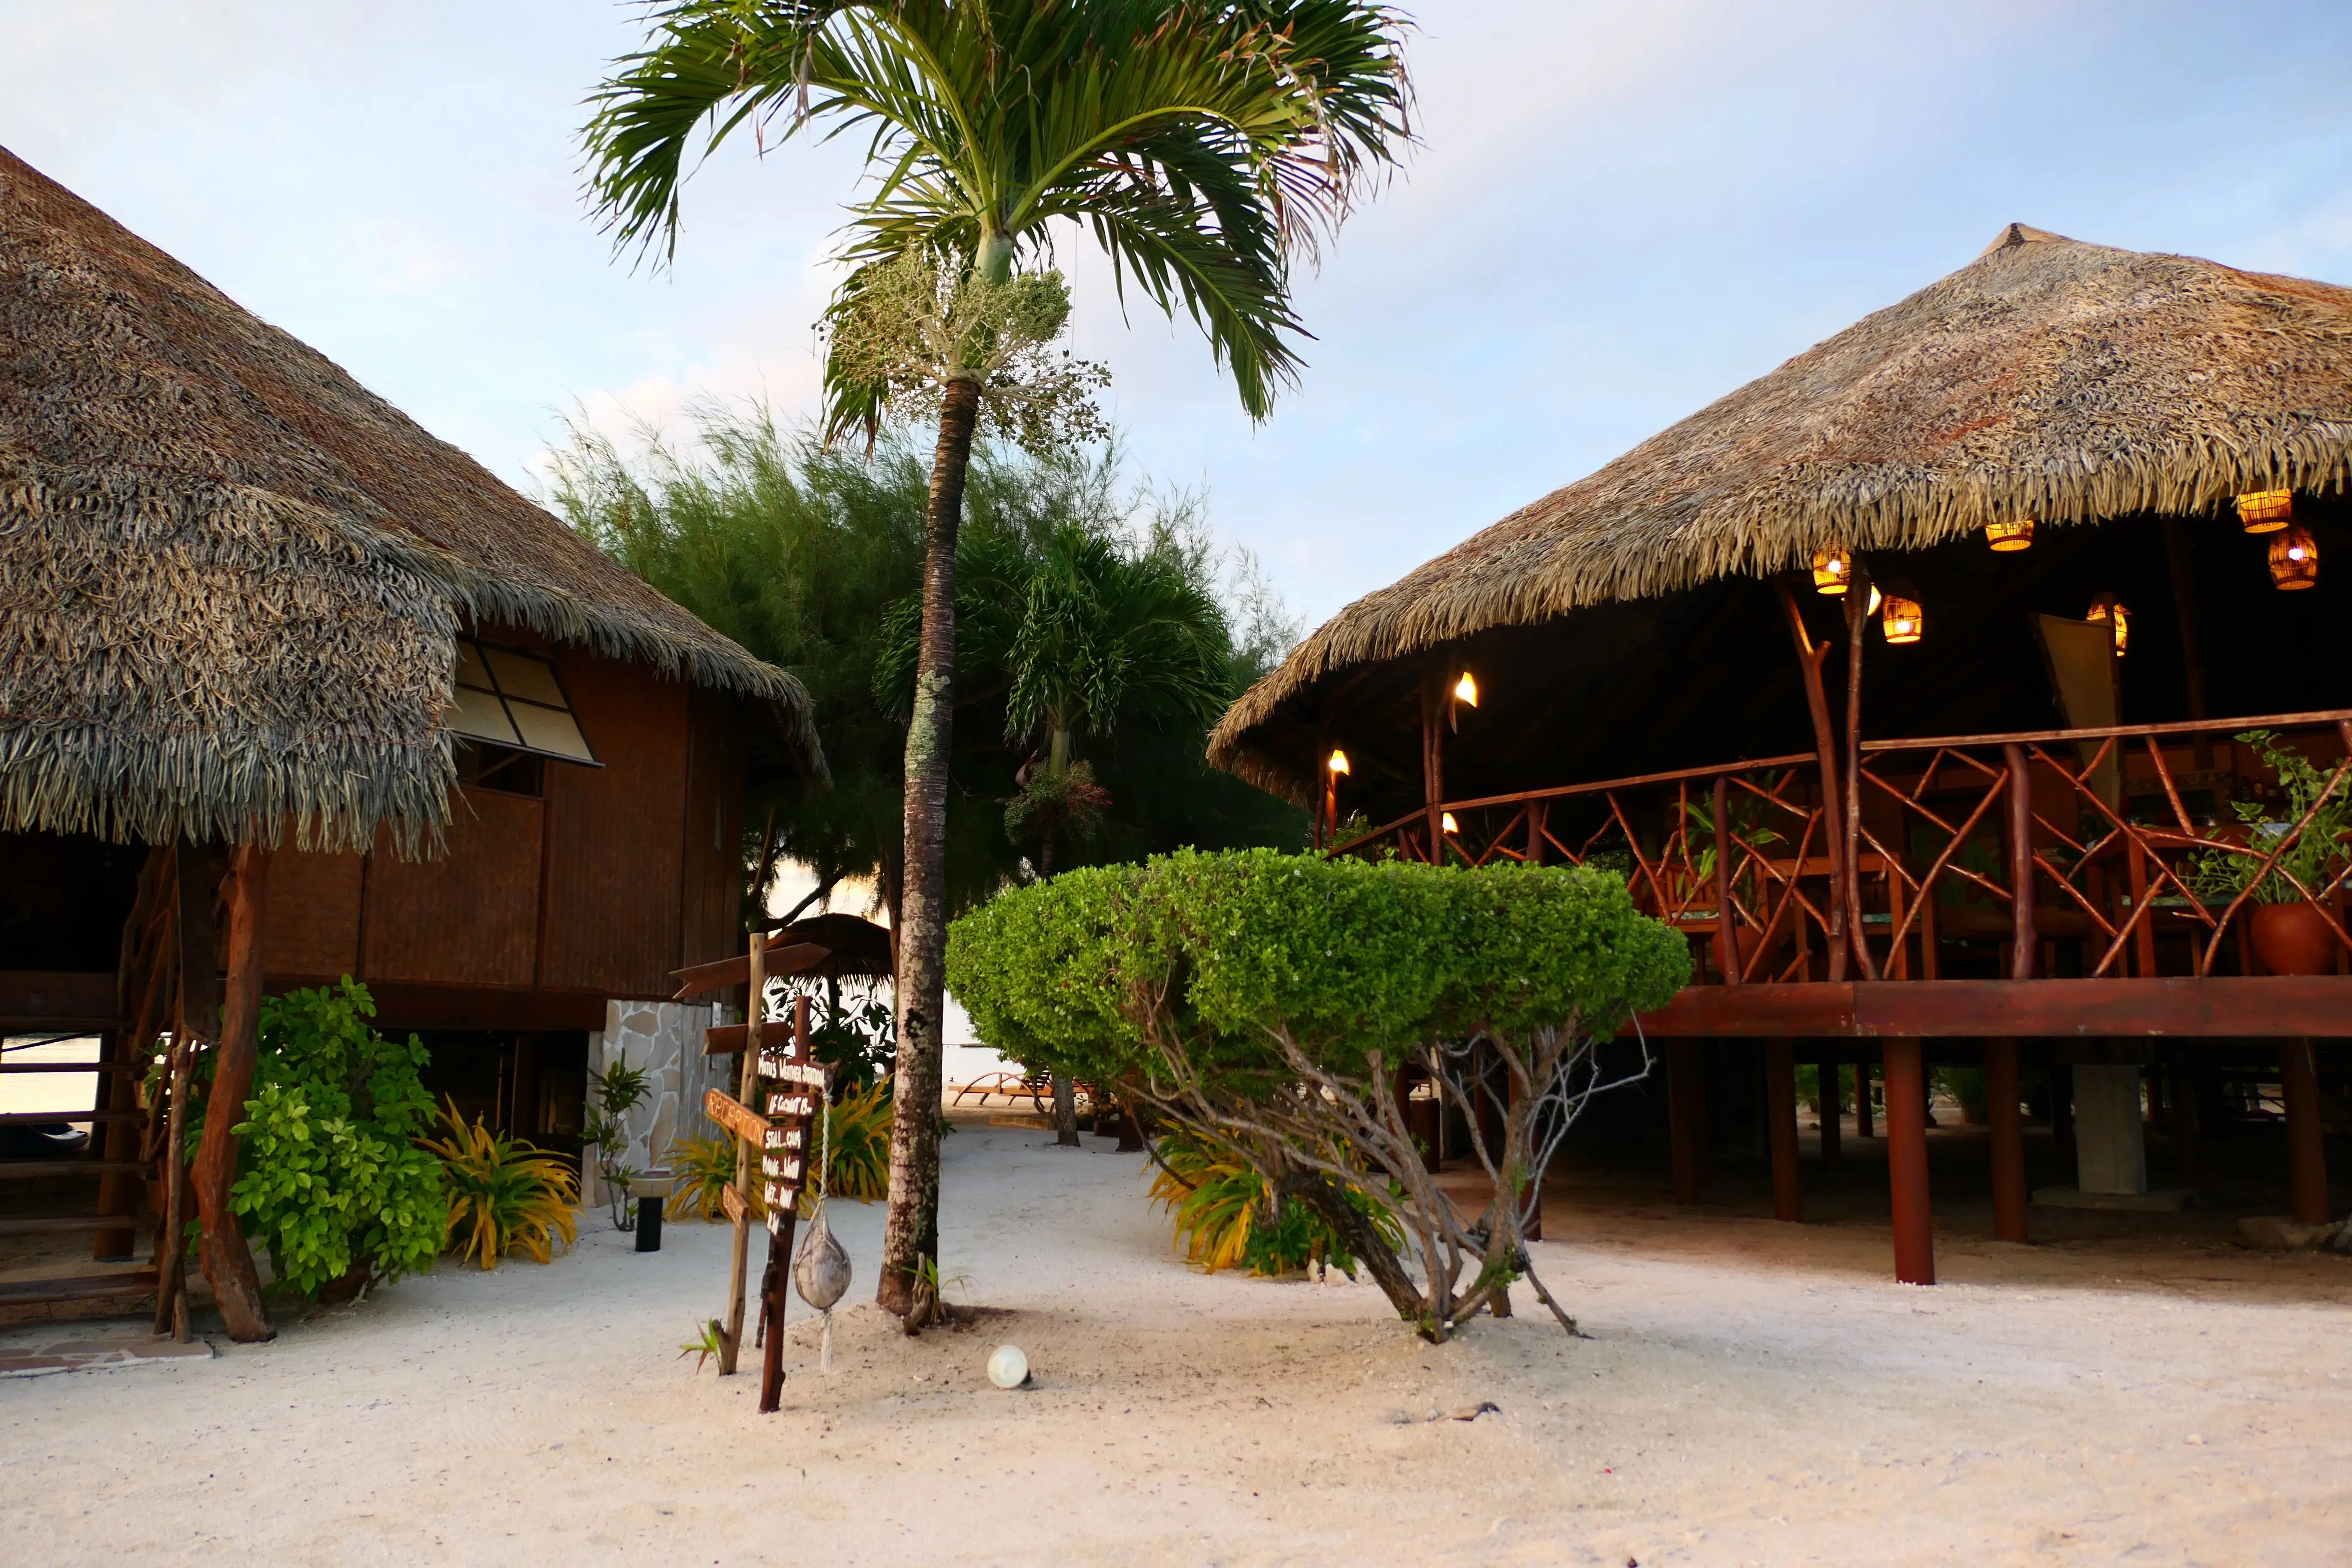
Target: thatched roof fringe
2049, 379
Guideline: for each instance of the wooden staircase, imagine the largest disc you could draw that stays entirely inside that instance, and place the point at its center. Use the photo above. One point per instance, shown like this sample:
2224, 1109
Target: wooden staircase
119, 1128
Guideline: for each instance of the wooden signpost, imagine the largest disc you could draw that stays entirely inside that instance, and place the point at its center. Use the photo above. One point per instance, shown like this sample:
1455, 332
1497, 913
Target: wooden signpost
782, 1141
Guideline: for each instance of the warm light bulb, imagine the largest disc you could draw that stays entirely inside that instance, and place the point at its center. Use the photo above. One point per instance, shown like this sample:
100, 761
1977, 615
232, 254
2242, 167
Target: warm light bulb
1445, 820
1875, 600
1903, 621
2294, 559
2265, 511
1339, 761
1467, 690
2015, 534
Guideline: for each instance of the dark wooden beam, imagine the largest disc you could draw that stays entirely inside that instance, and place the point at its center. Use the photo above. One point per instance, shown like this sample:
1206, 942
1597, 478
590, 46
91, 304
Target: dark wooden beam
2273, 1006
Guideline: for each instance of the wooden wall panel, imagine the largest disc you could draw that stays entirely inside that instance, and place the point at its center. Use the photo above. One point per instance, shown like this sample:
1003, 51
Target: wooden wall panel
469, 918
312, 922
712, 891
616, 834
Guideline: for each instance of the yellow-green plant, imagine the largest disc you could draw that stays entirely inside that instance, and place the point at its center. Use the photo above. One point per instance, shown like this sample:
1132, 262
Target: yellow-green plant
703, 1169
1212, 1198
857, 1155
504, 1194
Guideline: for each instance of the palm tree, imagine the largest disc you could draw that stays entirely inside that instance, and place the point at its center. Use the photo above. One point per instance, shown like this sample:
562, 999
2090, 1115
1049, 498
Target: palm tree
1205, 144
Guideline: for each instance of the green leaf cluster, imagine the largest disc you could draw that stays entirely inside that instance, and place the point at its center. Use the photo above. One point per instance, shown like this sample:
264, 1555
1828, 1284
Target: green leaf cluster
2318, 854
331, 1178
1111, 973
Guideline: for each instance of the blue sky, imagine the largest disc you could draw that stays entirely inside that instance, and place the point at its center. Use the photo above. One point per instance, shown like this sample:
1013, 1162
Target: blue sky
1621, 212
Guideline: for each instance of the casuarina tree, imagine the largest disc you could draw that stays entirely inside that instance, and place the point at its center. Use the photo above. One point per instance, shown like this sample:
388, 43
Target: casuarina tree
1205, 147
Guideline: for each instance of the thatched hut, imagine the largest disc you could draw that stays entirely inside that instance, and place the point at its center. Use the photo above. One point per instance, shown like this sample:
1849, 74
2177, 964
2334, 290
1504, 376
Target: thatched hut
253, 608
2079, 477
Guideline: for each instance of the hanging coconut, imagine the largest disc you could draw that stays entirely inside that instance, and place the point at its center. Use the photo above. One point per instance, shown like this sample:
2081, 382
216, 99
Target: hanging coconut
820, 1271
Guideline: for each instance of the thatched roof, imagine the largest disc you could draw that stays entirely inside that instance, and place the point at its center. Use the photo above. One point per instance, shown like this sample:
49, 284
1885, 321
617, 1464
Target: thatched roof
2048, 379
230, 575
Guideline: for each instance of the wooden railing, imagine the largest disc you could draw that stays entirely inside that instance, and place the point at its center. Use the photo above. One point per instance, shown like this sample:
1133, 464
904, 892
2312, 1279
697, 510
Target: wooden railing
2061, 852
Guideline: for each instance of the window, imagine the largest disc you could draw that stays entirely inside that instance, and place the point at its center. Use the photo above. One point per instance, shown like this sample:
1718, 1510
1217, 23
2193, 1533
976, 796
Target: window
511, 700
481, 766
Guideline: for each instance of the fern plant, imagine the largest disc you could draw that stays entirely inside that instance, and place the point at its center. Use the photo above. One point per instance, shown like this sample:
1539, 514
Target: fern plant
504, 1194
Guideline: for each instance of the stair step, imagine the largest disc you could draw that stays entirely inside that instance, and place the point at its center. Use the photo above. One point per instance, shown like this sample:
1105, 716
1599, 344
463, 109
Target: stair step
45, 1117
28, 1170
81, 1288
38, 1225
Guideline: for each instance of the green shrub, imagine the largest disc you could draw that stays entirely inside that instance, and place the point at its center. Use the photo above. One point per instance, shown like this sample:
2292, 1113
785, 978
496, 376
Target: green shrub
504, 1194
1268, 1004
329, 1176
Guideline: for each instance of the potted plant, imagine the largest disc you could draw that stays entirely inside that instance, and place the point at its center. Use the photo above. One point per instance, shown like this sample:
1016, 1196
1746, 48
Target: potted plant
2288, 932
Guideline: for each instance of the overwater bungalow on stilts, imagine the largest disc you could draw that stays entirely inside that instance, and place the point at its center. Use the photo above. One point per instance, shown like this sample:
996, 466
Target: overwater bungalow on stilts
1915, 680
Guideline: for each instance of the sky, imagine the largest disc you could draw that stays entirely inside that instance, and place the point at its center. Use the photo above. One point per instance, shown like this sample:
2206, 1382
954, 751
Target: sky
1617, 213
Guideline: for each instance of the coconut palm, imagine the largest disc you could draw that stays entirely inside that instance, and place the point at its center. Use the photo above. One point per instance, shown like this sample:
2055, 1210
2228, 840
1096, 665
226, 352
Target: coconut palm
1203, 144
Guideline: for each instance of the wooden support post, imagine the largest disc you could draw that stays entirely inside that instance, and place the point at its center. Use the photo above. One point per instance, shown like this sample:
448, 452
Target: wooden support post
1537, 810
2023, 941
2001, 1093
746, 1159
1812, 656
1857, 624
1781, 1102
2306, 1154
1829, 1103
228, 1261
1432, 764
1726, 935
1907, 1162
1686, 1117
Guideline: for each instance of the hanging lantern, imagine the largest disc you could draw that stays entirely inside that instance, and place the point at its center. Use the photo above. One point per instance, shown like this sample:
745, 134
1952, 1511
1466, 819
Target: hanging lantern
1902, 620
1337, 763
2014, 534
1445, 821
1875, 600
1467, 690
2107, 607
2294, 560
1832, 569
2266, 511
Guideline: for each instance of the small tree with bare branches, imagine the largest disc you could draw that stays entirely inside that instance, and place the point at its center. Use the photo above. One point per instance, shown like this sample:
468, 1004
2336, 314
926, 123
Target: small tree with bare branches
1279, 1008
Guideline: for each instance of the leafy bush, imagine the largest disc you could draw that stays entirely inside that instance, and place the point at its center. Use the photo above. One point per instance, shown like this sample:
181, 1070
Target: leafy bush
329, 1177
504, 1194
1271, 1005
2317, 855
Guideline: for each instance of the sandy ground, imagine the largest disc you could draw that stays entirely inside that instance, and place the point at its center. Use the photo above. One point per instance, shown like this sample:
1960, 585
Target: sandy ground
1751, 1392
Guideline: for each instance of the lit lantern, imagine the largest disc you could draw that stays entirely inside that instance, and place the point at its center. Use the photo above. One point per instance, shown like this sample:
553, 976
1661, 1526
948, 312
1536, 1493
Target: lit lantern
1875, 600
1832, 569
2106, 607
1337, 763
1902, 620
2294, 560
1467, 690
1445, 821
2014, 534
2266, 511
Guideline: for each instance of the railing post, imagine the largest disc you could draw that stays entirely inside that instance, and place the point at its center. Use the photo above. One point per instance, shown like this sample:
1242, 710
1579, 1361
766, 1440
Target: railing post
1857, 622
1433, 767
1727, 939
2023, 941
1812, 656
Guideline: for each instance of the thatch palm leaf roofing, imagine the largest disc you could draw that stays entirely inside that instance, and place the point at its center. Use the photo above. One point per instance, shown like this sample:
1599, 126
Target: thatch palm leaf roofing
231, 575
2048, 379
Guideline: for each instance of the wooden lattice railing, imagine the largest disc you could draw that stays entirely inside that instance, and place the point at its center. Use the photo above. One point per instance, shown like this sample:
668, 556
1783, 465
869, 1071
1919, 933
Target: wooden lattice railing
2104, 831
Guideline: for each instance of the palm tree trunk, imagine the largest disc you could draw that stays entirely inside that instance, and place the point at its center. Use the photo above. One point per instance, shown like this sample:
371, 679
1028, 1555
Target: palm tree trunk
1066, 1111
911, 1231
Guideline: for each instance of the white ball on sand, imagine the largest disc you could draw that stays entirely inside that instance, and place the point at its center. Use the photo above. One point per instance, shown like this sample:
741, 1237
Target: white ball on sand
1007, 1367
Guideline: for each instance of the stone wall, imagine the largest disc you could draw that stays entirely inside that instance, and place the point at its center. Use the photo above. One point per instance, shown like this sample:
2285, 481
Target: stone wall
664, 1039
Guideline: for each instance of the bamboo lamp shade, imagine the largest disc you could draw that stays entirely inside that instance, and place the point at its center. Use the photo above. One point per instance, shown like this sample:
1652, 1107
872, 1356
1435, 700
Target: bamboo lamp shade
2266, 511
1902, 620
2107, 607
2017, 533
1832, 569
2294, 559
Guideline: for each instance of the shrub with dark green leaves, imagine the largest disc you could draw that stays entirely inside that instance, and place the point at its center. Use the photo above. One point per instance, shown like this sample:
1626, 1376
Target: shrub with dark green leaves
1275, 1005
330, 1175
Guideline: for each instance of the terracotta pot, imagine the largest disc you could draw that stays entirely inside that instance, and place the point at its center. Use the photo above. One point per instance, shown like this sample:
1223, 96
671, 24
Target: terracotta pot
2291, 939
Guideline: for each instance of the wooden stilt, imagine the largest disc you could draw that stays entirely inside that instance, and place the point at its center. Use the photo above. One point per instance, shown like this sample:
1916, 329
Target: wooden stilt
227, 1260
1781, 1102
2008, 1194
2306, 1155
1686, 1118
1829, 1104
1907, 1162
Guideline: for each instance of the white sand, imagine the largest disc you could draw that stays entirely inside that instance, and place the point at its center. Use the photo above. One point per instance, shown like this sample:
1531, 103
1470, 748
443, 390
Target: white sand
1751, 1393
